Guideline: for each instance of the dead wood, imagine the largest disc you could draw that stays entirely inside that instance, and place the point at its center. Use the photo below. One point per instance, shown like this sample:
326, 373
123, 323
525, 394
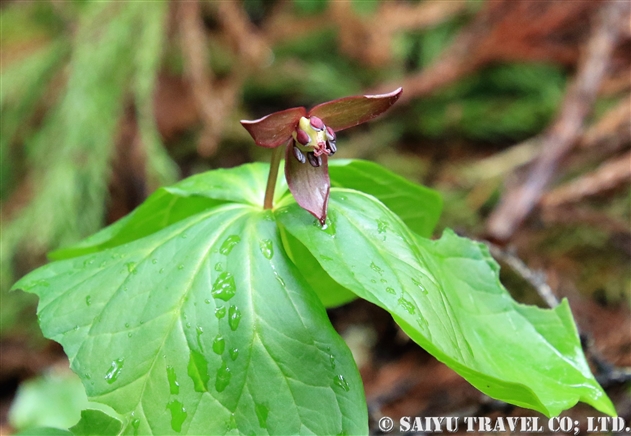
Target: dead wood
518, 201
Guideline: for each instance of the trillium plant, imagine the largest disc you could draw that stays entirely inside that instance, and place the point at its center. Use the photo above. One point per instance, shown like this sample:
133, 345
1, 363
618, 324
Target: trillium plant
203, 311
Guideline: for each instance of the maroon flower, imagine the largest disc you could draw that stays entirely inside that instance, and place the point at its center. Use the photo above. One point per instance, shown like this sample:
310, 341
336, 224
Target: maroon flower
310, 138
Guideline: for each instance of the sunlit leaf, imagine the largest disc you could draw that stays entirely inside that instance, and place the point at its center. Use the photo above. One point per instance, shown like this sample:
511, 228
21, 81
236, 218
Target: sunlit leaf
446, 295
203, 327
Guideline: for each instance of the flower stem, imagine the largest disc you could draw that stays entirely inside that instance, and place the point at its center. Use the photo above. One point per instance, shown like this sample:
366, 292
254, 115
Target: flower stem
277, 155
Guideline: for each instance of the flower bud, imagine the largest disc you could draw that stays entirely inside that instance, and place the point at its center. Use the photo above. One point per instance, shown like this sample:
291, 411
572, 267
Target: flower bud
302, 137
316, 123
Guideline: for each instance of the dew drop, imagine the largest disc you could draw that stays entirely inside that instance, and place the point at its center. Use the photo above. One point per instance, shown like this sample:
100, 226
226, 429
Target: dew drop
218, 267
88, 300
207, 301
279, 278
127, 325
234, 353
178, 415
420, 286
115, 369
341, 382
220, 312
154, 261
180, 267
102, 264
131, 267
231, 424
129, 335
219, 344
332, 361
198, 371
188, 325
223, 377
407, 305
161, 271
390, 290
384, 281
183, 236
373, 281
234, 317
174, 386
229, 244
382, 226
200, 332
266, 247
224, 287
135, 423
376, 268
262, 411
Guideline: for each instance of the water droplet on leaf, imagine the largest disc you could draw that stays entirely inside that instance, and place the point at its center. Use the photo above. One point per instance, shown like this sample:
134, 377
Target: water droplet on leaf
341, 382
390, 290
174, 386
223, 377
261, 413
407, 305
88, 300
198, 371
115, 369
218, 267
224, 287
219, 344
234, 317
220, 312
229, 244
178, 415
267, 249
234, 353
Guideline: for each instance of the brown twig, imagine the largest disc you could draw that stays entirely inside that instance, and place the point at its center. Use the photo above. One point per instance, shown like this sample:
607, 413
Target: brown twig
537, 279
518, 201
607, 176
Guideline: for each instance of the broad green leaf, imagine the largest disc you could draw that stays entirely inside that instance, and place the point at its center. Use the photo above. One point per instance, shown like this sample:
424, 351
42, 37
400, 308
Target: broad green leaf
330, 292
446, 295
44, 431
419, 207
204, 327
96, 422
169, 205
54, 399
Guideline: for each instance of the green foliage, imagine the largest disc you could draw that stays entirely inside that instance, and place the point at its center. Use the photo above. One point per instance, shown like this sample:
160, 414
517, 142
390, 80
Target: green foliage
52, 400
214, 316
504, 102
68, 160
96, 422
447, 297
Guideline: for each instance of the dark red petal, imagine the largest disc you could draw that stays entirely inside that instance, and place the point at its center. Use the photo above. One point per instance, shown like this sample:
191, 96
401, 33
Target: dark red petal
274, 129
310, 186
350, 111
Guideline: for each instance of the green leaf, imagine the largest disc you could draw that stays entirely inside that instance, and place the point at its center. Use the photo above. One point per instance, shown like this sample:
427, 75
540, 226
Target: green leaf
204, 327
95, 422
54, 399
447, 297
330, 292
44, 431
419, 207
169, 205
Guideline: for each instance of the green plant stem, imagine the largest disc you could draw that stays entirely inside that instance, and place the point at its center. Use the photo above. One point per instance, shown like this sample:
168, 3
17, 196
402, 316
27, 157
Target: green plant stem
277, 155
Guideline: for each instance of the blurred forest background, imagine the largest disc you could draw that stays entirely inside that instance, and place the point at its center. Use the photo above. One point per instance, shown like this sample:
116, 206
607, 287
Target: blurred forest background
517, 111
